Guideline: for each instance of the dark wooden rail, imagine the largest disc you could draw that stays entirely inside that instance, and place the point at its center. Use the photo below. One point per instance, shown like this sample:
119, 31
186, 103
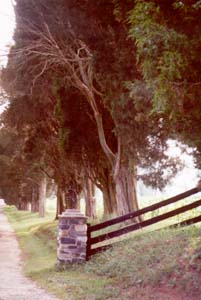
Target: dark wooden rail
180, 224
94, 240
143, 224
144, 210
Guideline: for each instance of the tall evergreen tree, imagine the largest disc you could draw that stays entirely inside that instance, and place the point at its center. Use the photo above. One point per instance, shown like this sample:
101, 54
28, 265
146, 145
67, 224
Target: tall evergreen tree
76, 55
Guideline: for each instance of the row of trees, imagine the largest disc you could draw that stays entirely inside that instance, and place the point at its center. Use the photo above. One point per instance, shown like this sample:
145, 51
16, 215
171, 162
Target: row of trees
96, 89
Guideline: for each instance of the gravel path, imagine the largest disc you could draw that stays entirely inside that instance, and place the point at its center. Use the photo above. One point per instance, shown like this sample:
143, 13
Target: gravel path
13, 285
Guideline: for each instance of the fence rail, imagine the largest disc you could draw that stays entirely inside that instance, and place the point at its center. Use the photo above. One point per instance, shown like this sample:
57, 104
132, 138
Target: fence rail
119, 232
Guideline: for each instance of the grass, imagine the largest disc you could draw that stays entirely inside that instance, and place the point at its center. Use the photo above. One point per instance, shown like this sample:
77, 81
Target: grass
170, 258
38, 253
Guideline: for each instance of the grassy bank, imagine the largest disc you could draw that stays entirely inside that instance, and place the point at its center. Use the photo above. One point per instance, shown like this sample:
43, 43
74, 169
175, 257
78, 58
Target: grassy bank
157, 264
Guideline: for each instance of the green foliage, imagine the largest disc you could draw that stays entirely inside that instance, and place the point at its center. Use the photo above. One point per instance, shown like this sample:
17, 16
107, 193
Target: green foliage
167, 38
161, 51
49, 106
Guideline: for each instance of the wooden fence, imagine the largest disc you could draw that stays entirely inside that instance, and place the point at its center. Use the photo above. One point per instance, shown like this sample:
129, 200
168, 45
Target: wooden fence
136, 226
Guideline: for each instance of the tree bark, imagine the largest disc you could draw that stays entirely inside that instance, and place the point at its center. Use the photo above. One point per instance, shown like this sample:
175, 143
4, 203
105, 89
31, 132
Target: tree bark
42, 196
26, 206
89, 194
126, 196
71, 197
109, 197
34, 200
60, 202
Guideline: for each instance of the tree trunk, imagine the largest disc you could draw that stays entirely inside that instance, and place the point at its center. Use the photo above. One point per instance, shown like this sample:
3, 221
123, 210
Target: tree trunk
26, 206
89, 194
71, 197
109, 197
126, 198
34, 207
34, 200
60, 202
123, 178
125, 183
20, 203
42, 196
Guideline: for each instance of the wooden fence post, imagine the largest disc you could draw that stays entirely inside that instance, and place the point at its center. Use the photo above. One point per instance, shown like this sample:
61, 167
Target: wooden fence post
88, 242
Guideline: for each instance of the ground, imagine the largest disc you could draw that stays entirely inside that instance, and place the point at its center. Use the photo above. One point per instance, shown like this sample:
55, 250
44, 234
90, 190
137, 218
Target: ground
13, 284
157, 293
158, 265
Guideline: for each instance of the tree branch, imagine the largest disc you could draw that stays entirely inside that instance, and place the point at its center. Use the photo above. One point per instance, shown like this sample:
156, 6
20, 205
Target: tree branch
46, 173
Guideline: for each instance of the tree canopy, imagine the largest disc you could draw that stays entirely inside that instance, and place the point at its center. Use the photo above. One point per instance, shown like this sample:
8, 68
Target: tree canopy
98, 88
168, 40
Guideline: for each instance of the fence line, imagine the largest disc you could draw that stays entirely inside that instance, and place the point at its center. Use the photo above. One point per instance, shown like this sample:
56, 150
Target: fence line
144, 210
116, 233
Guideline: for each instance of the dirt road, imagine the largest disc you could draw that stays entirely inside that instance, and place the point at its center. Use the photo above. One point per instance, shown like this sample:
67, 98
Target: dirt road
13, 284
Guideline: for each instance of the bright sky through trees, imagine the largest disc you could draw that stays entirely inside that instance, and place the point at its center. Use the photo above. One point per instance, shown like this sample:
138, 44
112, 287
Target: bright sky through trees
7, 24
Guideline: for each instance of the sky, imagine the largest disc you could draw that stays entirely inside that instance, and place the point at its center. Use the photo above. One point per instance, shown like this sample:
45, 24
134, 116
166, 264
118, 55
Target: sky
7, 25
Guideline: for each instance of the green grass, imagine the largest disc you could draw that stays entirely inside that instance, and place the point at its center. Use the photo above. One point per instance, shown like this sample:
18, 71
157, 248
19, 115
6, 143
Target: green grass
169, 258
38, 253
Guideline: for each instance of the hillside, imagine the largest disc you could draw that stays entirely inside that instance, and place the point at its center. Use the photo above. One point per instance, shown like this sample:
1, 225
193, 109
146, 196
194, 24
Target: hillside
164, 264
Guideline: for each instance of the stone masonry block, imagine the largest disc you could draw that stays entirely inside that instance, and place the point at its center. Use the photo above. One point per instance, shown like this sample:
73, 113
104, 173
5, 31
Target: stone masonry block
72, 237
67, 241
73, 234
82, 239
64, 226
63, 233
64, 221
82, 221
81, 228
74, 221
64, 247
64, 257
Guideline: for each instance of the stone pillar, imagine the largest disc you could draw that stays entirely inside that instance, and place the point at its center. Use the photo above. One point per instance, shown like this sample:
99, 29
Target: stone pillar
72, 237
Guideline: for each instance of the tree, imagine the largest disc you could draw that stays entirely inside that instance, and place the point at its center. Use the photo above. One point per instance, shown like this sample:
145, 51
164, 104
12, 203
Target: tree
167, 38
76, 50
13, 186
